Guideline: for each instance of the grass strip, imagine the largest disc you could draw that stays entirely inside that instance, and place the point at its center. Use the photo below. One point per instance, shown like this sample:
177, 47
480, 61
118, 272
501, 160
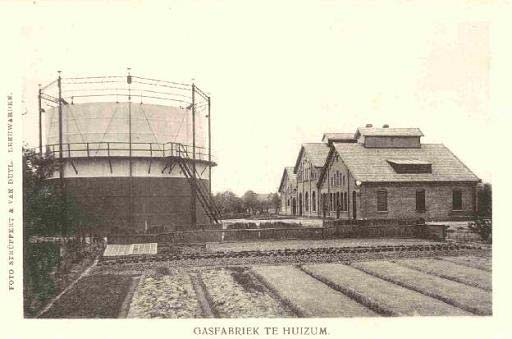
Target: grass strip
468, 298
97, 296
377, 294
308, 296
451, 271
481, 263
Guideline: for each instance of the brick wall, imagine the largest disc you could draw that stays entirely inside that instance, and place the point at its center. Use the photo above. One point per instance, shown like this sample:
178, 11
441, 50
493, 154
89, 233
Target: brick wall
391, 142
402, 200
309, 187
332, 186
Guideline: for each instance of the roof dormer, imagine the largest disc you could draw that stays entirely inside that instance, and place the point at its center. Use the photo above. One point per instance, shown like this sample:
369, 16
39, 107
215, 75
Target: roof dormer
329, 138
385, 137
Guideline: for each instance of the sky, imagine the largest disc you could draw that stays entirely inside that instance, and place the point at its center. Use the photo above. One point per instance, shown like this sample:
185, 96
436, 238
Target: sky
281, 73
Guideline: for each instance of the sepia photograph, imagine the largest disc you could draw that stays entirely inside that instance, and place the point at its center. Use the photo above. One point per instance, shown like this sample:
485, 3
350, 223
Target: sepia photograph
202, 161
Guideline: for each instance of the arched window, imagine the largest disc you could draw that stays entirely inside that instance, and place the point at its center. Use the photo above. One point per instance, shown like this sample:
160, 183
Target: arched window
306, 201
313, 201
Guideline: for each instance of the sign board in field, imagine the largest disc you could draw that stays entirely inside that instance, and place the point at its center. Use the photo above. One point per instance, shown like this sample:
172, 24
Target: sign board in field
114, 250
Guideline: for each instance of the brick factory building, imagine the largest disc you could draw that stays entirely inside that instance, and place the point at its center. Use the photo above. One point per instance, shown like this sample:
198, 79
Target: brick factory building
385, 173
308, 167
288, 192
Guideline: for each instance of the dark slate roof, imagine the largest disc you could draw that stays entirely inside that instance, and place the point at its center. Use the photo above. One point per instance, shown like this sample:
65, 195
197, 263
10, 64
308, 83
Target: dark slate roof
315, 152
288, 172
385, 132
337, 136
371, 164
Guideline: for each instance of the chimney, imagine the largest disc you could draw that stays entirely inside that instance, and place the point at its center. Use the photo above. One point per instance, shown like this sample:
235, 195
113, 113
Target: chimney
385, 126
369, 125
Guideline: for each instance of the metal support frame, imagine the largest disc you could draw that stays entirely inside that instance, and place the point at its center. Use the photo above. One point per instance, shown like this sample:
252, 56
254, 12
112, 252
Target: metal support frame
60, 100
130, 160
73, 165
193, 188
108, 155
151, 158
40, 122
171, 166
64, 216
209, 147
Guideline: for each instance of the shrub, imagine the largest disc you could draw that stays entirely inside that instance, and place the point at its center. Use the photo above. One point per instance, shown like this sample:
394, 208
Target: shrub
39, 287
482, 227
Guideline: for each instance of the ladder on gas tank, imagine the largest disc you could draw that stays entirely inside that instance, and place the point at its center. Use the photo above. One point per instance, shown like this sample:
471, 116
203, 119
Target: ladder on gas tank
198, 185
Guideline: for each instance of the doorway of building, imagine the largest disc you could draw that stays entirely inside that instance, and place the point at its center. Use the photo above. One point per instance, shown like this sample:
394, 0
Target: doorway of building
354, 205
294, 206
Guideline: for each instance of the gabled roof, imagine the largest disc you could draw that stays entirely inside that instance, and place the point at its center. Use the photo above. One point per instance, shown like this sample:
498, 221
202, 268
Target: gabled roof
388, 132
287, 173
371, 164
337, 136
315, 152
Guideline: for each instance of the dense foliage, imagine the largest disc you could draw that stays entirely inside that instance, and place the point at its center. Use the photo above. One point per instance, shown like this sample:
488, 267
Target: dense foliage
482, 227
485, 200
482, 224
249, 203
46, 212
41, 263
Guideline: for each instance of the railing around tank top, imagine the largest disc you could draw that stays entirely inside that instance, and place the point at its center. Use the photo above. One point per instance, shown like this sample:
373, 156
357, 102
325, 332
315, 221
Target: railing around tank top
122, 149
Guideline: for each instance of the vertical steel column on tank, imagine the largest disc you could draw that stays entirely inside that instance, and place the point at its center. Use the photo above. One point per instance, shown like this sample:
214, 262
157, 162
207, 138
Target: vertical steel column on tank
209, 148
193, 195
130, 163
61, 163
40, 122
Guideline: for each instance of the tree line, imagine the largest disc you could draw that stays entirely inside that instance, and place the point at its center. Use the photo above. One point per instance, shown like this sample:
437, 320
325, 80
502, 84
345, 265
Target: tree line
250, 203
